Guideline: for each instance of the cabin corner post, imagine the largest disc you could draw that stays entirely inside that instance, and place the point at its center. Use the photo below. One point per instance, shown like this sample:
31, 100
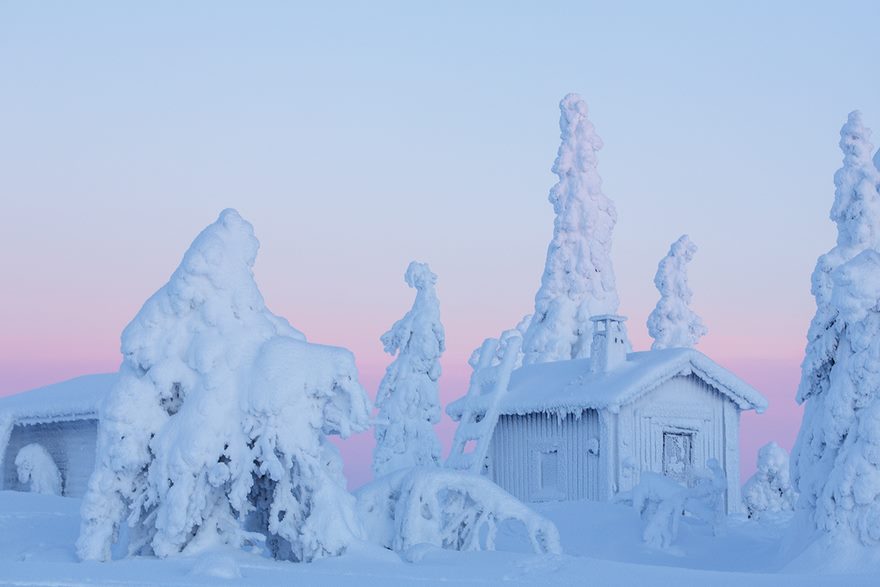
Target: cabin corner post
607, 455
732, 457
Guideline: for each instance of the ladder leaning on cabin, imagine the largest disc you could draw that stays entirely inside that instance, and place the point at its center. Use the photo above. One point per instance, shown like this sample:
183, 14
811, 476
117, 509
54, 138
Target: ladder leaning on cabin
480, 412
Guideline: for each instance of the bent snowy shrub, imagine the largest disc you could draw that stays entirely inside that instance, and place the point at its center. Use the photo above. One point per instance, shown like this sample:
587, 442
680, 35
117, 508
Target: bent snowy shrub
769, 490
447, 509
37, 470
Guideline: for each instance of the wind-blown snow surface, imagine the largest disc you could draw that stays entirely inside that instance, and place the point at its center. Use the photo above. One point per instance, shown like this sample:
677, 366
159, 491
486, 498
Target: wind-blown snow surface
216, 430
578, 280
602, 545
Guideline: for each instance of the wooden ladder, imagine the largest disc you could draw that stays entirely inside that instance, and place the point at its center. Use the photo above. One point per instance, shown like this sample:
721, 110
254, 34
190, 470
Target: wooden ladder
487, 387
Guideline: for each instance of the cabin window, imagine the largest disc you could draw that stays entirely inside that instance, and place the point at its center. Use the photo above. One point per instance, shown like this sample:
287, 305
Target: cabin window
678, 455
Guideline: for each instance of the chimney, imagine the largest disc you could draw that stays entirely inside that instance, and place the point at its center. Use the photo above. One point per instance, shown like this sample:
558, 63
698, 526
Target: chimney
608, 349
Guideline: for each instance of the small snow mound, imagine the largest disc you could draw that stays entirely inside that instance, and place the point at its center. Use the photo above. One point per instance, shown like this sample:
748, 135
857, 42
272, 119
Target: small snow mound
216, 565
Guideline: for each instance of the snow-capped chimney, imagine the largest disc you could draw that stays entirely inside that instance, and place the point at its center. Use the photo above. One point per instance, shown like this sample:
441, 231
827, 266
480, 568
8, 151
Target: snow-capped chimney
608, 349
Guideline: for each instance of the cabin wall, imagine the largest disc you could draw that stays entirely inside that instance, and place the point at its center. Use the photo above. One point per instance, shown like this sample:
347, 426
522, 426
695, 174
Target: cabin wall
685, 410
71, 444
544, 457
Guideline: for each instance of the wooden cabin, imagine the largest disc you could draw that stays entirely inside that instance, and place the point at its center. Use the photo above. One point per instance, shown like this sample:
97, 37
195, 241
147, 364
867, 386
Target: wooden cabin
587, 428
63, 419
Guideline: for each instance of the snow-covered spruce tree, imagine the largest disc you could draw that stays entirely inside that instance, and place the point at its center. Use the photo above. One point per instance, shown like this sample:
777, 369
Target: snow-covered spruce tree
578, 280
838, 375
407, 399
673, 323
216, 430
769, 489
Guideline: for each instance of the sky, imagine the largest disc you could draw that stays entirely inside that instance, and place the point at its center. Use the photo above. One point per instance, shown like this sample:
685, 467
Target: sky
357, 137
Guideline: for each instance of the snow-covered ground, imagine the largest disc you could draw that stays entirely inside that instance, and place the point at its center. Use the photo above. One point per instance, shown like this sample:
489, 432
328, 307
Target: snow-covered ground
602, 545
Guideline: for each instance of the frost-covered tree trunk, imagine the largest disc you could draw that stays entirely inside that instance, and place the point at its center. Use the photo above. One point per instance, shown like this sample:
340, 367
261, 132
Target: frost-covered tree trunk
673, 323
833, 470
578, 280
216, 429
407, 399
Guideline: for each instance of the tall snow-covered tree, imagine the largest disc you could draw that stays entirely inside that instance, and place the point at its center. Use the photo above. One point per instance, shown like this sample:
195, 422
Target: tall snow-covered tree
216, 430
839, 384
578, 280
408, 401
673, 323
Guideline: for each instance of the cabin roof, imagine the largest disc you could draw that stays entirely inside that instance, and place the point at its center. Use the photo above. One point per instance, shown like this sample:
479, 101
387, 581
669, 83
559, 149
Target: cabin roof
570, 386
68, 400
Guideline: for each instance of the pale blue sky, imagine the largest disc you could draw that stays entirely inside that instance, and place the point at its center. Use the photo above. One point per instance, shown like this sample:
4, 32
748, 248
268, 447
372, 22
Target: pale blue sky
359, 136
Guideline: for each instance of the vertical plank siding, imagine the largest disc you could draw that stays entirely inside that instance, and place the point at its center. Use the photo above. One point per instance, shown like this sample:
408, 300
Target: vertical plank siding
630, 442
518, 441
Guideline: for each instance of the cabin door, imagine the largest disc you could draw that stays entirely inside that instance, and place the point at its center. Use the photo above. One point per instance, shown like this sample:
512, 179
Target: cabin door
678, 455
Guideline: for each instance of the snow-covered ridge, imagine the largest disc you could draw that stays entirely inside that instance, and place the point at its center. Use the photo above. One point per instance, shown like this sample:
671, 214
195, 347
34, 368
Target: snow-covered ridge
75, 398
570, 387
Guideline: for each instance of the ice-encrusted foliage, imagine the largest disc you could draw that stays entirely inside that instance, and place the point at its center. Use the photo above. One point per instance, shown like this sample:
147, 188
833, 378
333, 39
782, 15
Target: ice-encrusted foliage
673, 323
37, 470
216, 428
578, 280
407, 399
769, 490
447, 509
836, 390
846, 476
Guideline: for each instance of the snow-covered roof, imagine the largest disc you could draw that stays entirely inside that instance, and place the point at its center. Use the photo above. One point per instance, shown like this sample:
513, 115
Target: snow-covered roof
67, 400
570, 386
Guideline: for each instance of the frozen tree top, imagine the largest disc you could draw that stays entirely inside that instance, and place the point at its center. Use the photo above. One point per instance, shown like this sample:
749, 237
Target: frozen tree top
673, 323
856, 208
68, 399
570, 387
578, 280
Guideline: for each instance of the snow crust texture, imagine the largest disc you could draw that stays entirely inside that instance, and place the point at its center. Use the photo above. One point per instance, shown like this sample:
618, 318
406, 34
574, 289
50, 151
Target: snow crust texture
447, 509
37, 470
769, 490
578, 280
407, 399
216, 430
672, 323
836, 460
